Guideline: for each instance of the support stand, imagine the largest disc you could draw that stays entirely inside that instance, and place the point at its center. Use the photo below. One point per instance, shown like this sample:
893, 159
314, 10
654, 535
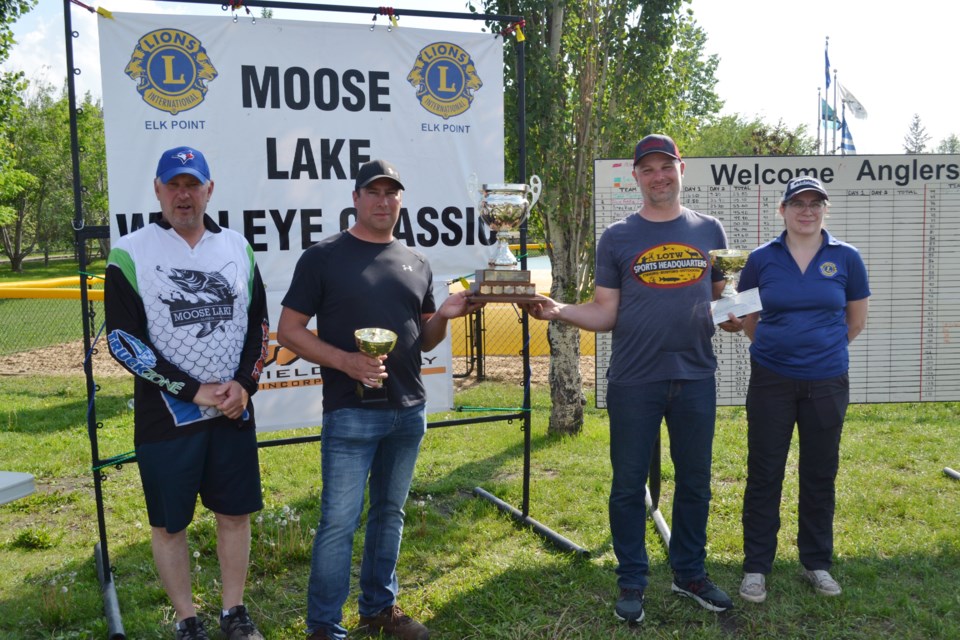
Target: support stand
652, 498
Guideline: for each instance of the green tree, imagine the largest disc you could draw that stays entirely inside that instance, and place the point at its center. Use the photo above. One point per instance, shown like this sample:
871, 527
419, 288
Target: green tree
12, 83
733, 135
916, 139
950, 144
40, 214
600, 74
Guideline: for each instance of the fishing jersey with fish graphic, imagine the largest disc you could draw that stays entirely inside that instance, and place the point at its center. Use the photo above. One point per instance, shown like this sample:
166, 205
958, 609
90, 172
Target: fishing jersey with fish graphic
178, 317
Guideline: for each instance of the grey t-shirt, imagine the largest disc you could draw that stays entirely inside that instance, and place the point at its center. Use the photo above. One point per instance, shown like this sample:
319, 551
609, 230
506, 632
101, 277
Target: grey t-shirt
663, 272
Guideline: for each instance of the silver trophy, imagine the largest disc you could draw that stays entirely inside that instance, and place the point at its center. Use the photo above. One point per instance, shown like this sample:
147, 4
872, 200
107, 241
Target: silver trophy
505, 207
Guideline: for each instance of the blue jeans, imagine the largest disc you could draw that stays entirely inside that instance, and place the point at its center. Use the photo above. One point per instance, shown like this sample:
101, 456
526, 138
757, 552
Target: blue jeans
354, 444
636, 412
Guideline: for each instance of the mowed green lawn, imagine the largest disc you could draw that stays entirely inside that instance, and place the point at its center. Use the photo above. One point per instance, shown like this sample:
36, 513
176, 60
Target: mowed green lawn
466, 569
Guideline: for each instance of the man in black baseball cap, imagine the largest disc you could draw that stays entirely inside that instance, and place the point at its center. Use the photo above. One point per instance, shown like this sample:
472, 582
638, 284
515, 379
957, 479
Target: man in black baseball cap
365, 277
374, 170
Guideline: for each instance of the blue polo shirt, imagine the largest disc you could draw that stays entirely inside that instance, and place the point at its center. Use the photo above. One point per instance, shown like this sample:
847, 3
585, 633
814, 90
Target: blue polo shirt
802, 333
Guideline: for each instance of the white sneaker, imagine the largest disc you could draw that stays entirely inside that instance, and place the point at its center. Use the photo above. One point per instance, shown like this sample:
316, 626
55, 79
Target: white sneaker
753, 588
823, 583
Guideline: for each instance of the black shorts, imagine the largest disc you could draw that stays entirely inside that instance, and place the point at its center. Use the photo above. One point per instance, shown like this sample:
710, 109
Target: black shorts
220, 464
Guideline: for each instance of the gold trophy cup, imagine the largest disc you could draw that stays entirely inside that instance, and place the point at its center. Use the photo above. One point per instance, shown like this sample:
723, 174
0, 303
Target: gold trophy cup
730, 263
505, 207
374, 342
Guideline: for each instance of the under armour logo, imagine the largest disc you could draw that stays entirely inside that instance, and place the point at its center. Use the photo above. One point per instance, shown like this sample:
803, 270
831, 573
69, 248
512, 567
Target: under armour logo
407, 267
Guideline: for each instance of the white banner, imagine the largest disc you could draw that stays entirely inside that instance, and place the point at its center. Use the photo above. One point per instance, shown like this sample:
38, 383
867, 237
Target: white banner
285, 113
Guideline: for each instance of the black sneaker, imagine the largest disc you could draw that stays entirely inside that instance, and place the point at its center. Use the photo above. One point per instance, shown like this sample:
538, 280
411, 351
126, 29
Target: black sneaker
629, 605
707, 594
191, 629
237, 625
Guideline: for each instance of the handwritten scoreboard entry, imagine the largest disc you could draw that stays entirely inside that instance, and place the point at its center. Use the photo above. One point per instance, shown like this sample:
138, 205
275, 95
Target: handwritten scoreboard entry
901, 212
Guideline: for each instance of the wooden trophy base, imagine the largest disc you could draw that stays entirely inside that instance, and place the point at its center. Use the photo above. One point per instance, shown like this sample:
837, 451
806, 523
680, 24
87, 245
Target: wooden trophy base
503, 285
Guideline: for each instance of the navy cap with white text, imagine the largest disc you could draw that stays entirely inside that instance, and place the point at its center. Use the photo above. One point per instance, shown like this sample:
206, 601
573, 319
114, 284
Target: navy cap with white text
801, 184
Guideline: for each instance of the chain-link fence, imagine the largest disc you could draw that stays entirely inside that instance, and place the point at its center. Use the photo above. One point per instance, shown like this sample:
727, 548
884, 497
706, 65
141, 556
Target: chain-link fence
43, 321
44, 314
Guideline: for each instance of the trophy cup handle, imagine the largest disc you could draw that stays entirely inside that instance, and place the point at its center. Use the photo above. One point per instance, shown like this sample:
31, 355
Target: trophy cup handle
473, 188
536, 186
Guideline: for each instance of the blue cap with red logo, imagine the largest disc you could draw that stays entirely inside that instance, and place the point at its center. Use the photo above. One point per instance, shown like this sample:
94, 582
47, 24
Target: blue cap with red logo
179, 160
656, 143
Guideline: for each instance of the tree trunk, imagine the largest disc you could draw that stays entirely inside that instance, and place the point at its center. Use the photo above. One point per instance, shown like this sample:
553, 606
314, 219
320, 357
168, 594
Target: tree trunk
566, 388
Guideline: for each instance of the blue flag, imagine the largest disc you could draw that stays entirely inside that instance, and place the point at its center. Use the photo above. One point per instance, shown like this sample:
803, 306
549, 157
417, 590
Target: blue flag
846, 140
826, 60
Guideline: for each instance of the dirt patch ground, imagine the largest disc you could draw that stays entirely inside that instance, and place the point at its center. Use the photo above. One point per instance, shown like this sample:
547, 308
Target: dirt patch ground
62, 359
67, 359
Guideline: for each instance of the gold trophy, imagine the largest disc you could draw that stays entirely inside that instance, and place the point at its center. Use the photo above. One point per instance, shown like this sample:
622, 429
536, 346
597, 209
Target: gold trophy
374, 342
730, 263
505, 207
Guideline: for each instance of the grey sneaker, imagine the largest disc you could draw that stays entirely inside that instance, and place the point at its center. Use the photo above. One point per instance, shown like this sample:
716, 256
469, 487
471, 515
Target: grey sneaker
191, 629
823, 583
754, 587
629, 605
705, 593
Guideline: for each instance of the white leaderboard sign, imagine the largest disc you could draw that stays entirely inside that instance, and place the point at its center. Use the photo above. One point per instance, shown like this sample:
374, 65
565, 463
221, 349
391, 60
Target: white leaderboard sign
285, 112
901, 212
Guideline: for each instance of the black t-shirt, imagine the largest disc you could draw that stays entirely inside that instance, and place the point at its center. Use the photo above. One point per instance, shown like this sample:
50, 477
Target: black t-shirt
349, 284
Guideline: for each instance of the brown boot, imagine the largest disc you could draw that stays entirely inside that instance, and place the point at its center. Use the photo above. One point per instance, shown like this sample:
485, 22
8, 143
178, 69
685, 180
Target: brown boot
392, 621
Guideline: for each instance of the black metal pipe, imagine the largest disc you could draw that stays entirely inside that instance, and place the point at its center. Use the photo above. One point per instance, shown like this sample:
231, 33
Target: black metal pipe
562, 543
108, 590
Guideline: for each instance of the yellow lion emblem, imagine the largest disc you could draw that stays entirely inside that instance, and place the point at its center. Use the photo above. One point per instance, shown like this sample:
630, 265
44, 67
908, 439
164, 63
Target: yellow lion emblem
172, 70
445, 78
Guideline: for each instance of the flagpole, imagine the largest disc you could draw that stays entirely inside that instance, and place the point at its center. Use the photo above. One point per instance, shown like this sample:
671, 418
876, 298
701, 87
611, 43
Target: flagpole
819, 110
834, 111
843, 131
823, 115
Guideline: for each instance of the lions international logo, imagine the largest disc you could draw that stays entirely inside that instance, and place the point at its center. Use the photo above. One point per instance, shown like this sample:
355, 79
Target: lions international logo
172, 70
828, 269
670, 265
445, 78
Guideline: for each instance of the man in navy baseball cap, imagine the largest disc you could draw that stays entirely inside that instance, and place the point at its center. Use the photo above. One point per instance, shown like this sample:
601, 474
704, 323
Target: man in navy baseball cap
655, 143
178, 160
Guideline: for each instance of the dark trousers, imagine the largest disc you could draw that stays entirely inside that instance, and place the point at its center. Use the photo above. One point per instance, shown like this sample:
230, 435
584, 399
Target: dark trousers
774, 405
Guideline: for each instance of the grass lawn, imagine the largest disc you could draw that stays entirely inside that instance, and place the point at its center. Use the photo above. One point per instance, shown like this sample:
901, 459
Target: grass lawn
466, 570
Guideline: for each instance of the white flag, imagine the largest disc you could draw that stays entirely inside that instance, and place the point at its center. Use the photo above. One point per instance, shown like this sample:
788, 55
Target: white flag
856, 107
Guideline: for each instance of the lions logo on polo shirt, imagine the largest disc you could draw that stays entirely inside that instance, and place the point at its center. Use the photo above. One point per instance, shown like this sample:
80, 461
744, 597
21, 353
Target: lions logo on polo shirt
670, 265
172, 70
445, 78
828, 269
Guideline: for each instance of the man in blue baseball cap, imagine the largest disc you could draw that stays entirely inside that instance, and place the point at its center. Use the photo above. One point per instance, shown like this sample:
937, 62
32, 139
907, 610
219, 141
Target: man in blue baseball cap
186, 313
